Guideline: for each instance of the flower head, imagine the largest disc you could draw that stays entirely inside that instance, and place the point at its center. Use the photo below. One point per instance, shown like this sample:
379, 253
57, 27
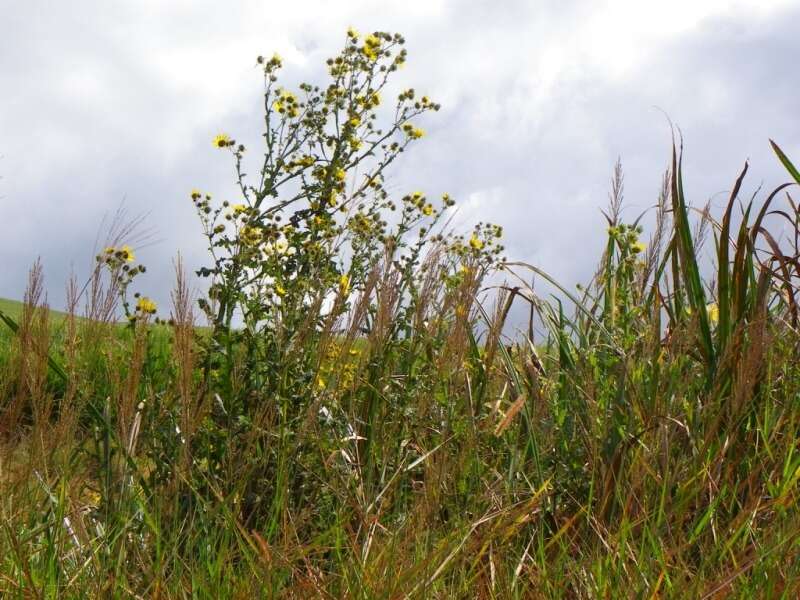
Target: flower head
286, 103
250, 236
370, 101
413, 132
221, 141
126, 254
146, 306
713, 312
344, 285
371, 47
475, 242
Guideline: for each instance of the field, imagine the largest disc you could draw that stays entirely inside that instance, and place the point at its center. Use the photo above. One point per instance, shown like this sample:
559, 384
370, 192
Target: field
353, 419
11, 308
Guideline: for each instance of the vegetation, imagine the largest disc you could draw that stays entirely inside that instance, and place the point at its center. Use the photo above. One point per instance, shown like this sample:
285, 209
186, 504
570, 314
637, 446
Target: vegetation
355, 422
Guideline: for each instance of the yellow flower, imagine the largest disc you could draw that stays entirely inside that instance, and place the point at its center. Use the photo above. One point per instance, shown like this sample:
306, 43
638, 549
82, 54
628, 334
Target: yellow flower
127, 254
332, 199
320, 382
250, 235
146, 305
196, 194
354, 121
110, 250
344, 285
371, 47
475, 243
427, 210
413, 132
286, 103
239, 208
713, 312
280, 290
352, 33
221, 141
637, 247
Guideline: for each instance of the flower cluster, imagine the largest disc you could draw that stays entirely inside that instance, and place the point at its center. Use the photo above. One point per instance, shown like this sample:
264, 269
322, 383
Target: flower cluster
298, 248
483, 243
627, 238
372, 47
338, 366
286, 103
120, 262
121, 255
413, 132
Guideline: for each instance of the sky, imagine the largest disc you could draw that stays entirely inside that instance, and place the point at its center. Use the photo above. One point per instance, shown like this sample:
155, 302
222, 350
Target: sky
107, 104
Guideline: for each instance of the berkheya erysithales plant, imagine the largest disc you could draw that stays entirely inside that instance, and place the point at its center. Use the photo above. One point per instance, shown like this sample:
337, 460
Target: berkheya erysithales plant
293, 253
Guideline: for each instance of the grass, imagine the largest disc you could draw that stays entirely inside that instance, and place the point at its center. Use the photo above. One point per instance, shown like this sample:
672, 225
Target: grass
645, 446
14, 308
369, 430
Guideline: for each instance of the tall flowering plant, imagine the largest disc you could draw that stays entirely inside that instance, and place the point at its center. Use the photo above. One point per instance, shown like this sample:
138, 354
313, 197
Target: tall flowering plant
297, 251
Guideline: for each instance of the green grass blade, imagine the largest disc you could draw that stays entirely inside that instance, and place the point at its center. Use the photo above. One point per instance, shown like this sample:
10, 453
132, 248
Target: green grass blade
689, 269
786, 162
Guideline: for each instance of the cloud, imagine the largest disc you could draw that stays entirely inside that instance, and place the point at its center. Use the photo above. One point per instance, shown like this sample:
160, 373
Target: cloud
118, 101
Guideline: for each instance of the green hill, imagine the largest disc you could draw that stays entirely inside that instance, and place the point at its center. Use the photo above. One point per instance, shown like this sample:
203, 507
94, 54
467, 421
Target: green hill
13, 309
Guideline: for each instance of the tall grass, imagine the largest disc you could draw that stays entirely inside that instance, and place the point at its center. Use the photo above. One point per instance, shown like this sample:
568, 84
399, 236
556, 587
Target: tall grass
646, 446
388, 440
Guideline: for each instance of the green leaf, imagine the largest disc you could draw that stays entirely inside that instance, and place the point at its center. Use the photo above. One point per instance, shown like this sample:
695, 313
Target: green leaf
786, 162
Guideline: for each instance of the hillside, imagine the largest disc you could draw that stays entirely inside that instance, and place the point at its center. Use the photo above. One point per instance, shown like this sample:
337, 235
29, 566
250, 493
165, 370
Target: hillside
13, 309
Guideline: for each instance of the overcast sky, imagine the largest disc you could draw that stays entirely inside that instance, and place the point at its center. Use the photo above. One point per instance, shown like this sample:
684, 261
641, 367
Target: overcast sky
104, 102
